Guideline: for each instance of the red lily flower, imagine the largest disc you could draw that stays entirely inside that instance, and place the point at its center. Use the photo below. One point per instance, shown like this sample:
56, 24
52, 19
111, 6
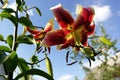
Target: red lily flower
40, 34
72, 32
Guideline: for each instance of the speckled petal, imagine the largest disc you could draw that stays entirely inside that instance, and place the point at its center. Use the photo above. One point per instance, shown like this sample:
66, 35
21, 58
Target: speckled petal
90, 29
62, 16
84, 17
54, 37
84, 39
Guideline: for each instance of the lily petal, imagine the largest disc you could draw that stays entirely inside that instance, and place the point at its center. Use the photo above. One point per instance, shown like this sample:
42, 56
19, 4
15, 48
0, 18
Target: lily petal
84, 16
90, 29
54, 37
39, 37
32, 31
62, 16
84, 39
49, 26
78, 9
68, 43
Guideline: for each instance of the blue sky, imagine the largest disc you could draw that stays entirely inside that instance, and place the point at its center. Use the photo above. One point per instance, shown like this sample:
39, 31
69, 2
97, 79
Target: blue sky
107, 13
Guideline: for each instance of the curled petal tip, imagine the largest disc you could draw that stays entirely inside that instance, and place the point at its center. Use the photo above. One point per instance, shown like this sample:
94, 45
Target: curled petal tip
78, 9
50, 25
57, 6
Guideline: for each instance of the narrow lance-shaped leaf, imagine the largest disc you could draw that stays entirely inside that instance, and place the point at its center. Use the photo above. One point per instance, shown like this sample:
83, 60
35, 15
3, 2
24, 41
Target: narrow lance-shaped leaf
105, 40
34, 72
49, 66
38, 11
10, 40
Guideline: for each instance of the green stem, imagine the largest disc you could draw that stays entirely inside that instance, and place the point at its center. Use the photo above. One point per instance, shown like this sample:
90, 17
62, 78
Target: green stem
14, 45
10, 76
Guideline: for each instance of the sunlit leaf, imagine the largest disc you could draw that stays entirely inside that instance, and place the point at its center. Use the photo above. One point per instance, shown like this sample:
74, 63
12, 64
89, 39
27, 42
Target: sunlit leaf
11, 62
88, 52
34, 72
1, 37
105, 40
23, 66
10, 40
38, 11
49, 66
9, 16
5, 49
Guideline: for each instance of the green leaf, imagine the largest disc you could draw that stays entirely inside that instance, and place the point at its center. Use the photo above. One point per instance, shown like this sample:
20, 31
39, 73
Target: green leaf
18, 2
22, 64
23, 67
8, 10
2, 57
38, 11
34, 59
49, 67
10, 40
34, 72
19, 5
11, 62
27, 39
88, 52
1, 37
25, 21
105, 40
4, 49
12, 18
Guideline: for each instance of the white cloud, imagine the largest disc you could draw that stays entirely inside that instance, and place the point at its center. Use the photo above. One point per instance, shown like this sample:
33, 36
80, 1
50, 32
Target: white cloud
102, 13
30, 12
66, 77
13, 5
